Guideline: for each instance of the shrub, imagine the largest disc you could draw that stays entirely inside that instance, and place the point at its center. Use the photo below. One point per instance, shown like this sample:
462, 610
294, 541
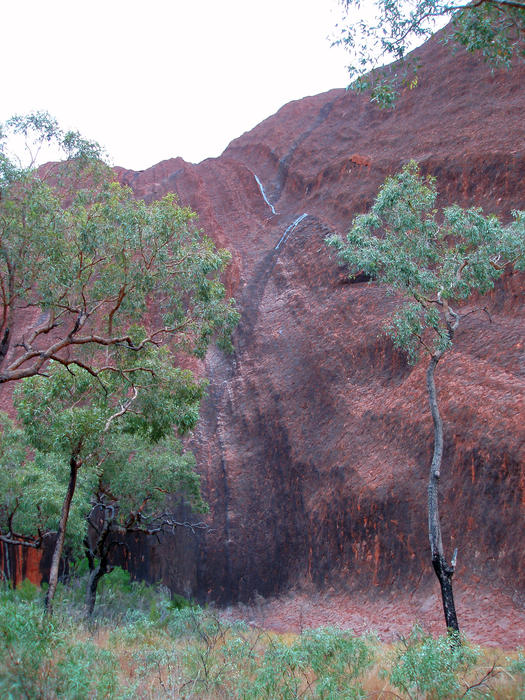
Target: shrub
322, 663
42, 657
28, 640
516, 670
432, 668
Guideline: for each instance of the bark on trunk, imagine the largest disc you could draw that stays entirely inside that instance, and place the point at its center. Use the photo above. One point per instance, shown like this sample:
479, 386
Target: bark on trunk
61, 534
100, 551
443, 570
94, 578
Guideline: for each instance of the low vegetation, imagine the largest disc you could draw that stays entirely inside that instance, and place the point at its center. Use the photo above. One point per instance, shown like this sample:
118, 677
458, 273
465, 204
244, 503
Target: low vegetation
145, 643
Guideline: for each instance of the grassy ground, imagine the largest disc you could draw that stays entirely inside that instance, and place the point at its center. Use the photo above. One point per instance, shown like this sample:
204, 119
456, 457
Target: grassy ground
142, 643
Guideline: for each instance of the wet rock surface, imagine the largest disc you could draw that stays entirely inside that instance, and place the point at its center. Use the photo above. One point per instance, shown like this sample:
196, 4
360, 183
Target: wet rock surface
315, 439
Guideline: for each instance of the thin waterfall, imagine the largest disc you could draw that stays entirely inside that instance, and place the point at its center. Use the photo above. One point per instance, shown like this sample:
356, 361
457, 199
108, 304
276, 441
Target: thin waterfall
289, 230
264, 194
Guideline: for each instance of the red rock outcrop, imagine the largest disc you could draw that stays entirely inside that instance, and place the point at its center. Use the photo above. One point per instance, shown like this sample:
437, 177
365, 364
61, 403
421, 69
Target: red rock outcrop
315, 440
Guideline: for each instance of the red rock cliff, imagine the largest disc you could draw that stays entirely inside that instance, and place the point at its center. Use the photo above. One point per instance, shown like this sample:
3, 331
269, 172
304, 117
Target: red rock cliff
315, 440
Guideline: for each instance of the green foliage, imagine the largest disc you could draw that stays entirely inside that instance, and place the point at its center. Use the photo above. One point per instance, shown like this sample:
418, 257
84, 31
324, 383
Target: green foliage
424, 667
27, 591
122, 602
32, 487
131, 462
92, 257
100, 398
516, 670
496, 29
323, 663
40, 659
233, 659
429, 261
118, 582
86, 671
27, 641
179, 602
38, 129
386, 30
121, 598
193, 653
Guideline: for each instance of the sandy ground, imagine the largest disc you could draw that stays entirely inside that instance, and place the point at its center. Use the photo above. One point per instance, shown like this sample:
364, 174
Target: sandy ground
489, 618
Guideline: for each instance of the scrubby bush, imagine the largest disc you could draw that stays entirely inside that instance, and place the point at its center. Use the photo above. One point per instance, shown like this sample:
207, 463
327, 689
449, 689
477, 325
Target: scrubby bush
516, 672
153, 650
424, 667
322, 663
43, 657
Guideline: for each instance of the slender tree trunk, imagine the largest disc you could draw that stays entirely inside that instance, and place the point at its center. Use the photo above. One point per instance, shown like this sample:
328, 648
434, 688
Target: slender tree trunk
8, 315
443, 570
74, 465
100, 551
94, 577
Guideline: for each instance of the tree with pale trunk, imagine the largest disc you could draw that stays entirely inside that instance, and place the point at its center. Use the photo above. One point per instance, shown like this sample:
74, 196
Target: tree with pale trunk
433, 264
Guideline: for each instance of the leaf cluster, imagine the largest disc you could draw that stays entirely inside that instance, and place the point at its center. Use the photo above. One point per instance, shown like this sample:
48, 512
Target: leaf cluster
32, 484
96, 261
496, 28
328, 662
423, 667
38, 130
118, 425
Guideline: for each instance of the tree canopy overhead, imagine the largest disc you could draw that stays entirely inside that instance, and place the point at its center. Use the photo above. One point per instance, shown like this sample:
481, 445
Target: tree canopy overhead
384, 31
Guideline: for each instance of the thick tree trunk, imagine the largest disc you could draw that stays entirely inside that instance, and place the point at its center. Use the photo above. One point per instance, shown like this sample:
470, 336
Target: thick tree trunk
61, 534
443, 570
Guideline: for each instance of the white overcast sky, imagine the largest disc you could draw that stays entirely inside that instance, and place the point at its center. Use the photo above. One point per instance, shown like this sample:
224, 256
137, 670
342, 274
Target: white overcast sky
157, 79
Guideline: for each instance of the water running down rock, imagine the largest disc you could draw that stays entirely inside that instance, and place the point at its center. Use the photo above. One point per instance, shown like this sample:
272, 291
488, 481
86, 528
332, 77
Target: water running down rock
264, 194
290, 230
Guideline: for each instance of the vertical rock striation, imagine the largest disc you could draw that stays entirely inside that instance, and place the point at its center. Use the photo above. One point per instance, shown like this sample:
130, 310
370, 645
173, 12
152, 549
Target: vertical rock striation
315, 439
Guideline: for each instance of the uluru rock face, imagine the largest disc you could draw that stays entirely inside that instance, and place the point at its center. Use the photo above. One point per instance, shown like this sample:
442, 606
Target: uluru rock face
315, 440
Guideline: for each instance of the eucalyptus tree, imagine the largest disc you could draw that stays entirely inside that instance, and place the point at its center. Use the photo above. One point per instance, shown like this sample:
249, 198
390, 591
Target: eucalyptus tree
94, 281
82, 261
432, 264
134, 493
385, 30
111, 441
31, 491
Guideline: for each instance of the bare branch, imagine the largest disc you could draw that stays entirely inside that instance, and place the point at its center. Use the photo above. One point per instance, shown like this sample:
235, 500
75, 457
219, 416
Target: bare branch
124, 407
491, 672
